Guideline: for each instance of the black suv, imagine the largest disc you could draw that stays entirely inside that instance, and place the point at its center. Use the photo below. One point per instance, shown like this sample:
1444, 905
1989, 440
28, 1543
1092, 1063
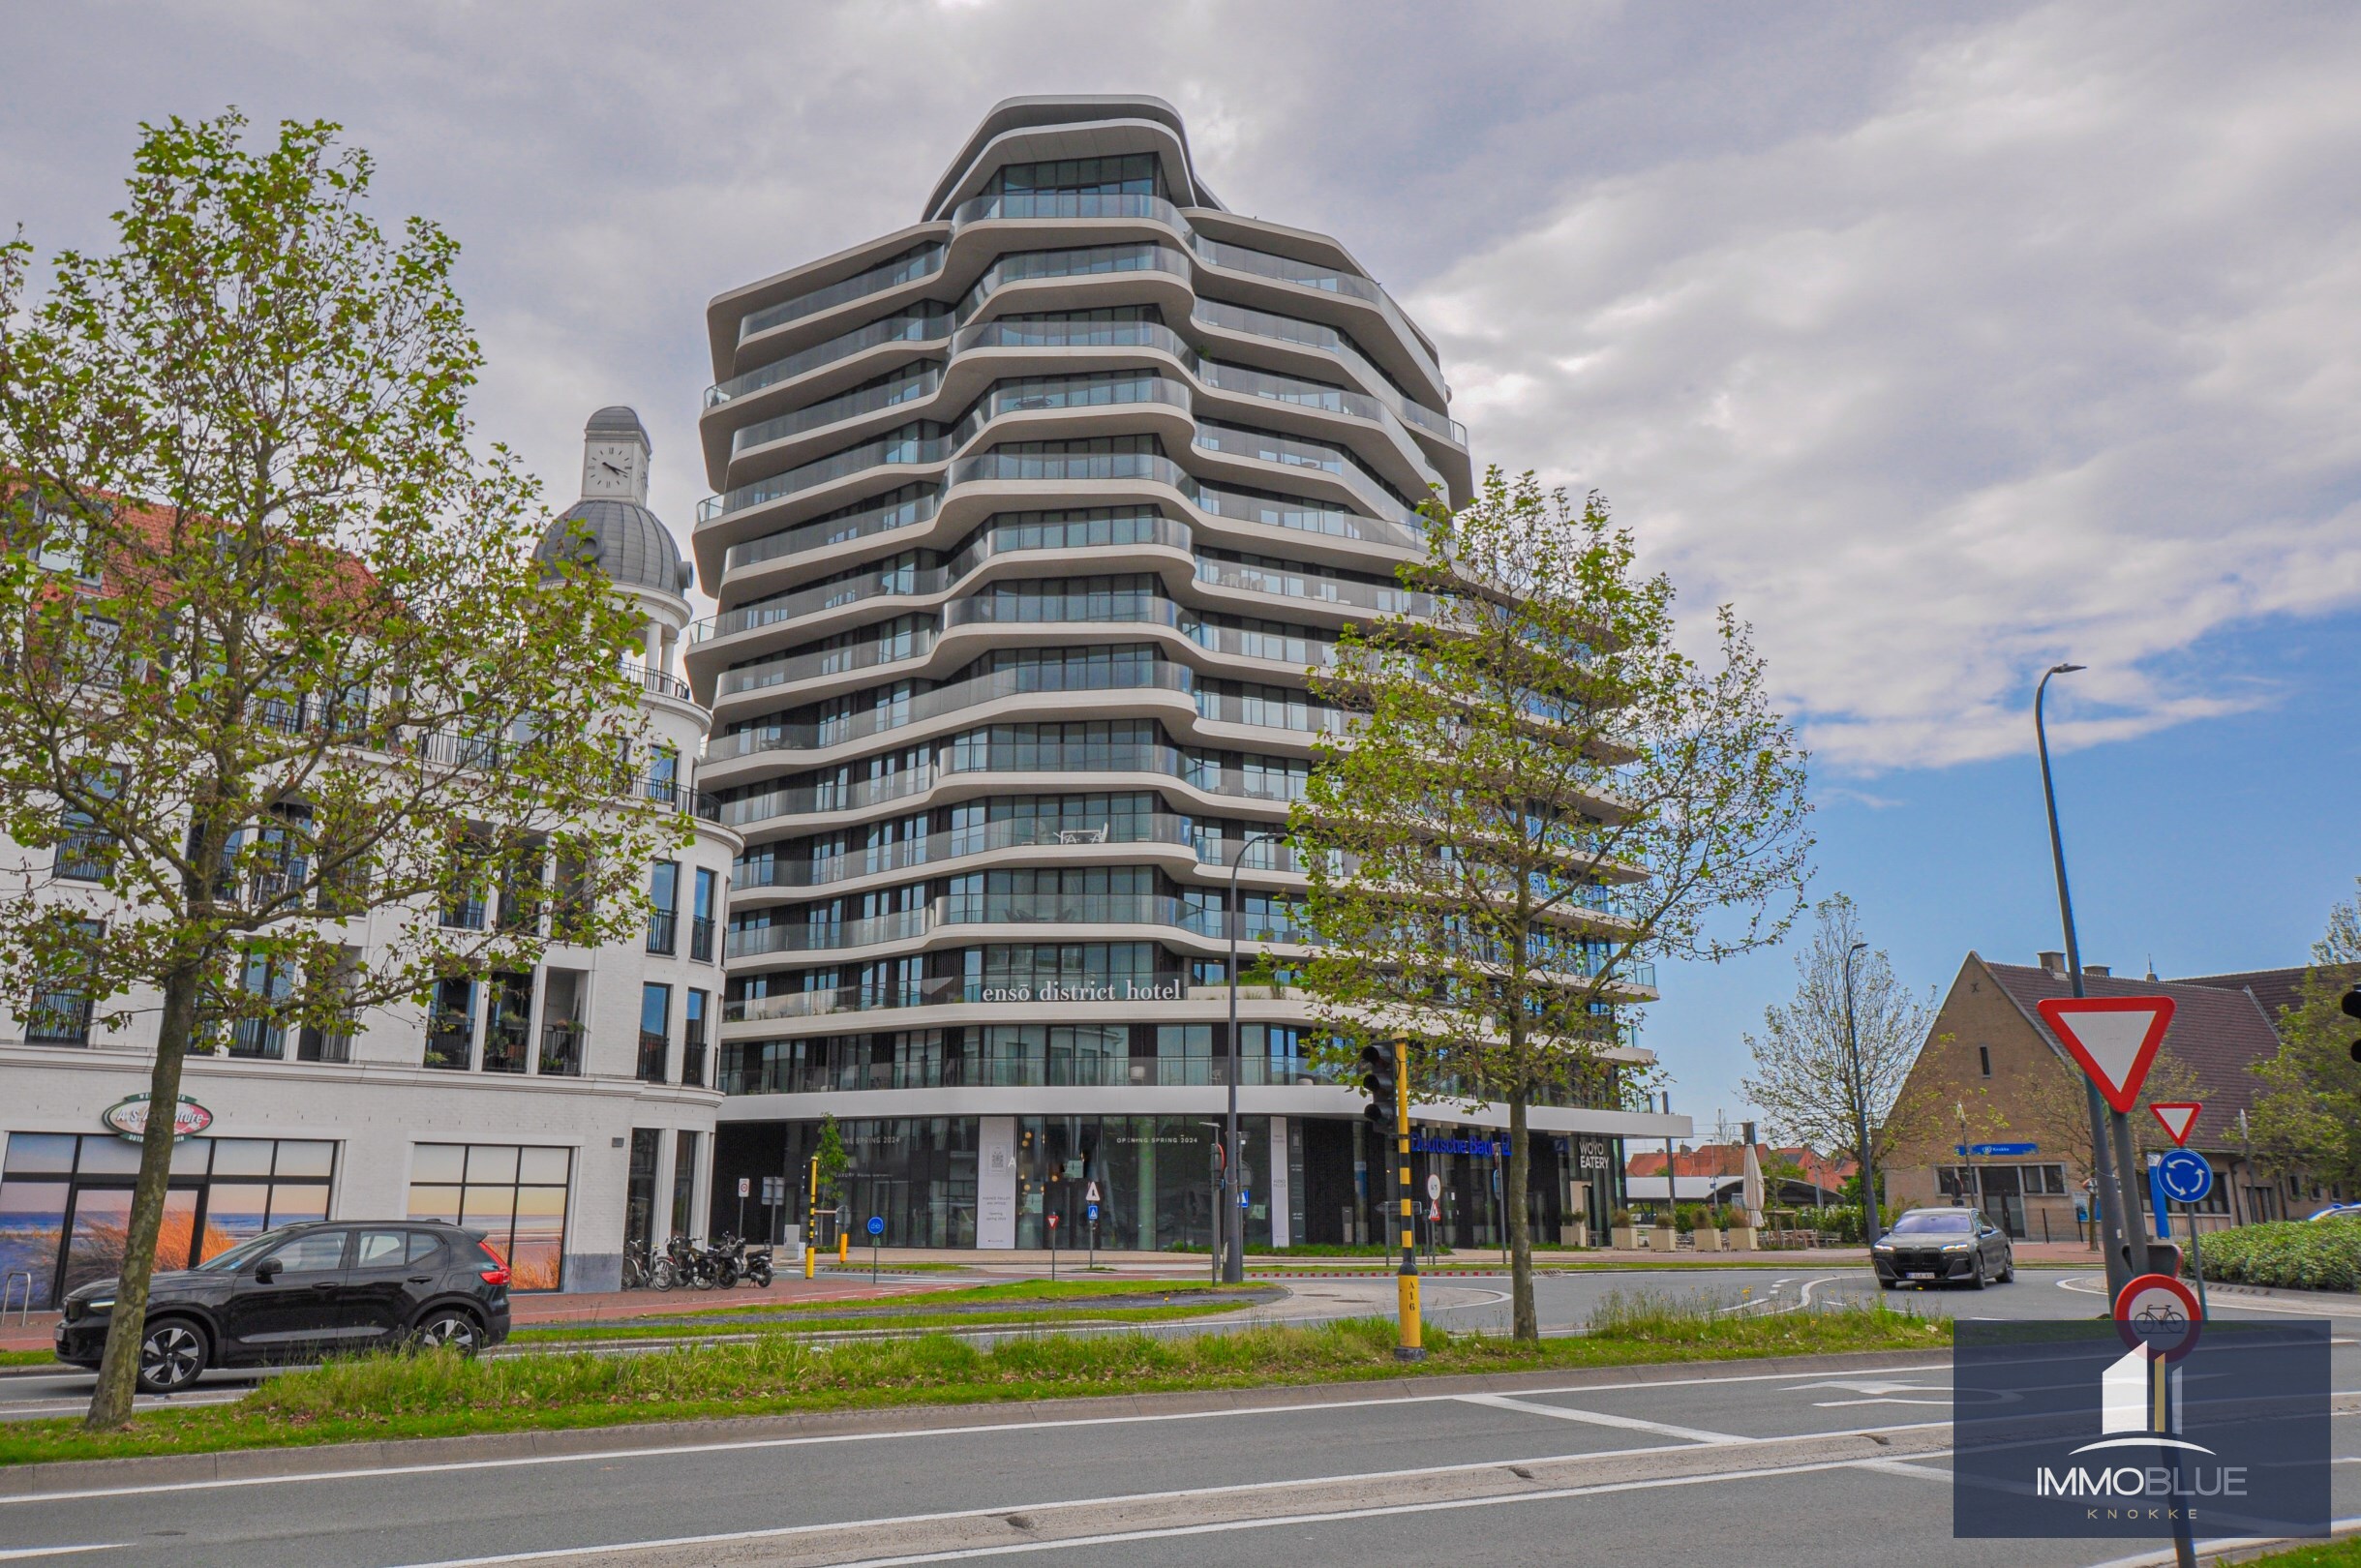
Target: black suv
301, 1292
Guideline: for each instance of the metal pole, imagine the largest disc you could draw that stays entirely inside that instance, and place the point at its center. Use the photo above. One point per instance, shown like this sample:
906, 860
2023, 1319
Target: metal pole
1672, 1187
2111, 1184
1861, 1108
1233, 1224
1406, 1281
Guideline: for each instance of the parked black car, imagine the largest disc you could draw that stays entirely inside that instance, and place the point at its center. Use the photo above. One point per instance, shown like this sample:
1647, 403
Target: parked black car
1943, 1246
303, 1291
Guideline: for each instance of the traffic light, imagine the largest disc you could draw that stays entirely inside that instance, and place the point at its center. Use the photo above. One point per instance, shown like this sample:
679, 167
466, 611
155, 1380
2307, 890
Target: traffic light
1377, 1070
2353, 1010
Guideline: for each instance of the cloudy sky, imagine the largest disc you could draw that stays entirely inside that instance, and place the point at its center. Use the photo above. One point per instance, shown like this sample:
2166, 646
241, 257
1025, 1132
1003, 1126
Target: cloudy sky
1944, 341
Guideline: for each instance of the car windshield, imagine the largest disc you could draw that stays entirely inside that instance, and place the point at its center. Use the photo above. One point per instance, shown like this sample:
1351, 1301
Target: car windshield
245, 1253
1934, 1222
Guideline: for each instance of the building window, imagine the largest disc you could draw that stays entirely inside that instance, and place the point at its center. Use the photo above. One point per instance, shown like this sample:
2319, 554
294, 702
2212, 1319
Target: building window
58, 1013
663, 905
692, 1039
1983, 1058
509, 1027
515, 1195
271, 979
702, 916
450, 1024
464, 896
334, 1043
655, 1031
65, 1201
684, 1181
85, 853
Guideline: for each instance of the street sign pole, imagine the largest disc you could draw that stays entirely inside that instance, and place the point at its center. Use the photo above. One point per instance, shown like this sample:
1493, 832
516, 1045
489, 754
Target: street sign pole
2114, 1041
2112, 1217
1406, 1283
811, 1222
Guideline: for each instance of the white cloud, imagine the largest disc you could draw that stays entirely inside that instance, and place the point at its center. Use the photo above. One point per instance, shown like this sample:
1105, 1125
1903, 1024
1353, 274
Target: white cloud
2051, 352
1944, 341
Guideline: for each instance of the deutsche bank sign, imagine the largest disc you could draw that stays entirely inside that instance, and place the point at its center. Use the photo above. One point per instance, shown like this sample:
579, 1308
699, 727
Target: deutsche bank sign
2063, 1432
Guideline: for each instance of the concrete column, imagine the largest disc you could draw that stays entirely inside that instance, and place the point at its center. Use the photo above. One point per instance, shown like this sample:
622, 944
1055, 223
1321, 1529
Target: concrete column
1279, 1191
996, 1182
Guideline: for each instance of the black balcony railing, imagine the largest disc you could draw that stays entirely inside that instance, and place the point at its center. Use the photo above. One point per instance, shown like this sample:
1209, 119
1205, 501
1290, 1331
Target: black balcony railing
562, 1050
692, 1065
653, 1050
57, 1018
325, 1044
701, 940
257, 1038
86, 857
663, 931
506, 1046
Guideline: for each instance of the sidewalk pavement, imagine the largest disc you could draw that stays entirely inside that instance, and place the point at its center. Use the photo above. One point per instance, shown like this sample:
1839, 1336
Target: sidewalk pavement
592, 1306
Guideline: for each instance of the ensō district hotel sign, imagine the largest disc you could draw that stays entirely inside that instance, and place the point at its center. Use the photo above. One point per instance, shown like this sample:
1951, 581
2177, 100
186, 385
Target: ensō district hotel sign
1089, 991
127, 1118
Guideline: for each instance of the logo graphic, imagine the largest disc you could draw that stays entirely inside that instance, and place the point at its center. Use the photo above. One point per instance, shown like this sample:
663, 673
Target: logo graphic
127, 1118
2141, 1394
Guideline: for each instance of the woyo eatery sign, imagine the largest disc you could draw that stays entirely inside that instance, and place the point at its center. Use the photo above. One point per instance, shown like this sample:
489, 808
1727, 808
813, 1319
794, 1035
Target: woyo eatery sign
127, 1118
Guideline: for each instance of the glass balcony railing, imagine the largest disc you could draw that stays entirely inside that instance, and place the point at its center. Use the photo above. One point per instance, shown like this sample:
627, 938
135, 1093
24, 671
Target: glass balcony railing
910, 388
1011, 909
870, 655
920, 261
935, 849
935, 703
910, 582
910, 328
888, 451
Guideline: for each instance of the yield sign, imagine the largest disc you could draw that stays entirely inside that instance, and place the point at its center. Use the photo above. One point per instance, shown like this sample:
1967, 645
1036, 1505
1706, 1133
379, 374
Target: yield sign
2112, 1037
2178, 1117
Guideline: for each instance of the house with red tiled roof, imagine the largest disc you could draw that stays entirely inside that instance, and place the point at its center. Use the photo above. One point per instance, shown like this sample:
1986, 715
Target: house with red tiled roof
1715, 1173
1993, 1111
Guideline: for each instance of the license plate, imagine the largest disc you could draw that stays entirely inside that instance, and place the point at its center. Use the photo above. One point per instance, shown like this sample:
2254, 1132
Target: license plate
1921, 1274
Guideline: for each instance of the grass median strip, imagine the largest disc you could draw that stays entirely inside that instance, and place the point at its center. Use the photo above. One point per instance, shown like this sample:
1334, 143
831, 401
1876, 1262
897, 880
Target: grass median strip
1019, 1302
440, 1395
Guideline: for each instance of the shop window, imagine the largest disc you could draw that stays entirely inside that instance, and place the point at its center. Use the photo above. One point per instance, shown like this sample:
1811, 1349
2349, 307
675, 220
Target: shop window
515, 1195
65, 1201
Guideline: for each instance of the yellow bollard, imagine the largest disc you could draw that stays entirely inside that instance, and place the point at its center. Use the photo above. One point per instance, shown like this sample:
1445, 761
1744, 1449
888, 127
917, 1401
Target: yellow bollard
844, 1246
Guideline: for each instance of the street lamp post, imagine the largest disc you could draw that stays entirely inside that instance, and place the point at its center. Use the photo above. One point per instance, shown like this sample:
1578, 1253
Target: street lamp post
1233, 1225
1861, 1108
2110, 1182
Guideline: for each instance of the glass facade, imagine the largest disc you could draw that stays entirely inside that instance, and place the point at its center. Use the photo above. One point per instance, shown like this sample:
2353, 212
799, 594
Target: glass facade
515, 1195
65, 1201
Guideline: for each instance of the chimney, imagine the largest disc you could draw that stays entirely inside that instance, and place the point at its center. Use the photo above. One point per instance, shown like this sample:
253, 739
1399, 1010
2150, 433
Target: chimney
2096, 969
2054, 962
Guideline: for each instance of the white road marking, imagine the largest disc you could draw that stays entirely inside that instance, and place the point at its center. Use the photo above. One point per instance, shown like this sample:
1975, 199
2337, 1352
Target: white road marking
1599, 1418
753, 1444
1847, 1404
1900, 1467
1277, 1522
18, 1554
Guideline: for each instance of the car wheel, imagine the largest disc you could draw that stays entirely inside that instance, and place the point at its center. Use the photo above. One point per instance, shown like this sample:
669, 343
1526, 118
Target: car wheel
170, 1356
449, 1326
1975, 1272
2008, 1268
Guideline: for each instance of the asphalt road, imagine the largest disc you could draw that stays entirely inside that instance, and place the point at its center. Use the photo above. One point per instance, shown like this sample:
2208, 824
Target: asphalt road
1732, 1464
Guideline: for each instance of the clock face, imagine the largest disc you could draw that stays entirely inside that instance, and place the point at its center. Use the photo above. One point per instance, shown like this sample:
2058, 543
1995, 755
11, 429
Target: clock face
610, 469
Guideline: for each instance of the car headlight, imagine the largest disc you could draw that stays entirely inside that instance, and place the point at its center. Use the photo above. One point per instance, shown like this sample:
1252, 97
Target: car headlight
1955, 1247
1883, 1247
98, 1304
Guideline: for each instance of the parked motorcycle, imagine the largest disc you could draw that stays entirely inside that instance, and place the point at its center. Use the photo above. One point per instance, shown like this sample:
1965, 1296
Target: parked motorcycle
756, 1265
720, 1260
689, 1264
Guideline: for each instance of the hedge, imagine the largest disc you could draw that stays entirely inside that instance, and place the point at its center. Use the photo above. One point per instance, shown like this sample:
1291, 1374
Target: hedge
2296, 1254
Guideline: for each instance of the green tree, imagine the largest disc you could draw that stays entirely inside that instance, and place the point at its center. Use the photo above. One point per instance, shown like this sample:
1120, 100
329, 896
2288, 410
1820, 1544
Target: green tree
833, 1163
1803, 1081
1535, 794
2307, 1113
289, 692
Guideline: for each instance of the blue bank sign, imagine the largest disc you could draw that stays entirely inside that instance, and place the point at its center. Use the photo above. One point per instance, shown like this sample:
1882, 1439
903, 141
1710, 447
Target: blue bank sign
1482, 1148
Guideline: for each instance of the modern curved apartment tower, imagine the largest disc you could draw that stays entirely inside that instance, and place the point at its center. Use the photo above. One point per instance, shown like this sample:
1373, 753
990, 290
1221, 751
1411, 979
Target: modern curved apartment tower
1030, 519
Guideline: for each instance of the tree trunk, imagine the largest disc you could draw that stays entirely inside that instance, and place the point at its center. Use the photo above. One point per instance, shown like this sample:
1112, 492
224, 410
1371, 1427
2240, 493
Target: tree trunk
1526, 1322
110, 1402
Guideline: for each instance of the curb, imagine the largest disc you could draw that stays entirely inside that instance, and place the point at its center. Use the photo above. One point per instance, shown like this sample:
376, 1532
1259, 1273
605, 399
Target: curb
28, 1480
